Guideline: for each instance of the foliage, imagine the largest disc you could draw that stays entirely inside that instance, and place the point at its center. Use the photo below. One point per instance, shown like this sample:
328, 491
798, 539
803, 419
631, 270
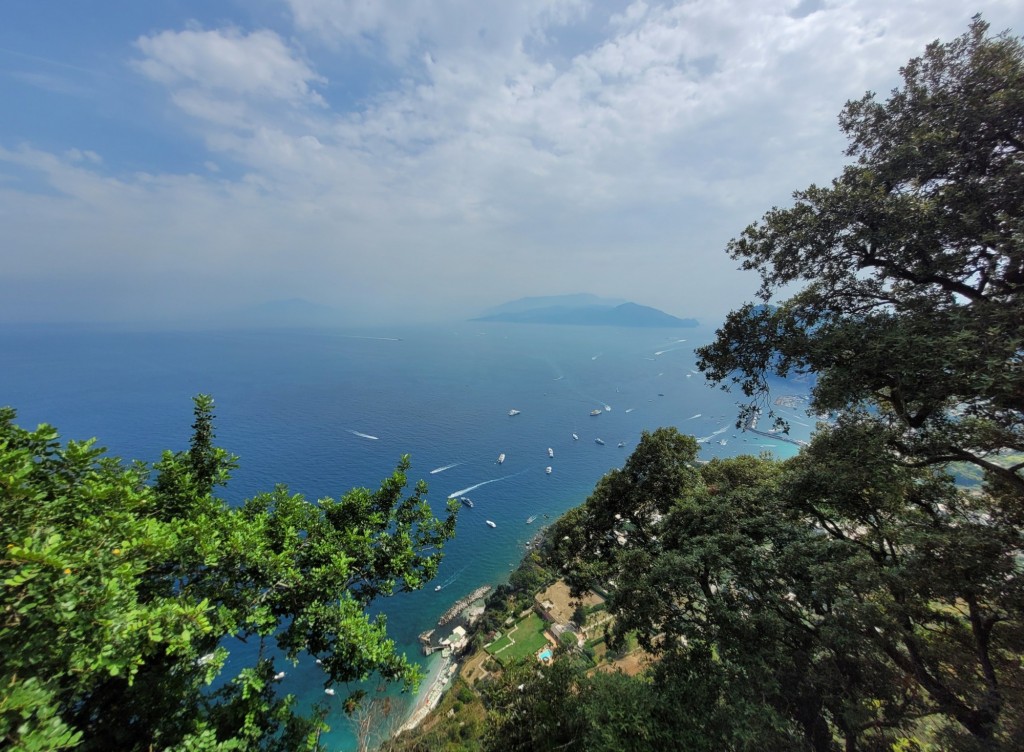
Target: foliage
123, 597
912, 264
912, 318
560, 707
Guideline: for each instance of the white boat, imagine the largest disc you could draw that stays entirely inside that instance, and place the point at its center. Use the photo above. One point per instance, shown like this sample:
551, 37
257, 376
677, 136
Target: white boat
329, 691
622, 444
514, 412
551, 452
490, 523
595, 412
466, 501
598, 441
501, 458
548, 469
436, 588
530, 519
575, 437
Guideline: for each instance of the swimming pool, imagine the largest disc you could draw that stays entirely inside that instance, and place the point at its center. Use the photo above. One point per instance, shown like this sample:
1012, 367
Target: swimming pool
545, 654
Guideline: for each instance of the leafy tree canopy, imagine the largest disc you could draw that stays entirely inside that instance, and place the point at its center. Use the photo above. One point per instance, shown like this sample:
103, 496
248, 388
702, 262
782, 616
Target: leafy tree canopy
124, 583
853, 596
910, 266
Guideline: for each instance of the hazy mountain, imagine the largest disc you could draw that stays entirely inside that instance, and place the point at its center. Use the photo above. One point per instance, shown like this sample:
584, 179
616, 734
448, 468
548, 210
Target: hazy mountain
582, 310
579, 300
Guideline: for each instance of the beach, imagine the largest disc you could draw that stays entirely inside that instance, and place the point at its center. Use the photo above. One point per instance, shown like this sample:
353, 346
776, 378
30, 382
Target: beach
433, 686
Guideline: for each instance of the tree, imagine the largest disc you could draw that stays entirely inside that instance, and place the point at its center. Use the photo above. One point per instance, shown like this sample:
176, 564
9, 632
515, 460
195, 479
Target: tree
123, 597
912, 263
911, 319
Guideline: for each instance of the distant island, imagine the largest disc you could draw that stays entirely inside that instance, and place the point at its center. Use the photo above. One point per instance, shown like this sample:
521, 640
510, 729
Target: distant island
582, 310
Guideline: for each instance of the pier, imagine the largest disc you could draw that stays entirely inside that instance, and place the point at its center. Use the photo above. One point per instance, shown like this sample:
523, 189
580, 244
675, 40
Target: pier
751, 425
460, 604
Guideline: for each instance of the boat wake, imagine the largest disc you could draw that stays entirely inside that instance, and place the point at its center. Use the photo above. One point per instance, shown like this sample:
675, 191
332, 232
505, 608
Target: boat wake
630, 409
484, 483
706, 439
694, 416
449, 581
362, 435
441, 469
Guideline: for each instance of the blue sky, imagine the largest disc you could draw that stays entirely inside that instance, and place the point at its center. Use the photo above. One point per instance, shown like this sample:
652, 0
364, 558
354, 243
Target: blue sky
419, 159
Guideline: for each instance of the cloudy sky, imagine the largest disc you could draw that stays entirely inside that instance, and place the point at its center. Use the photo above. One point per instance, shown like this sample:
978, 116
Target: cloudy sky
419, 158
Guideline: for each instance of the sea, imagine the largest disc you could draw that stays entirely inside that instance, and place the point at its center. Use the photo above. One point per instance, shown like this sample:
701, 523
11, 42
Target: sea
323, 411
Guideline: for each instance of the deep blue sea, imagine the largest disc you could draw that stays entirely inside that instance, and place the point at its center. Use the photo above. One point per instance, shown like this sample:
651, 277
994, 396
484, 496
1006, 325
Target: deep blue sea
325, 411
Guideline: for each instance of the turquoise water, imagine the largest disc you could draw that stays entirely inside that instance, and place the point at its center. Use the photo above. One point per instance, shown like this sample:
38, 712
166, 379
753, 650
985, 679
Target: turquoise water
326, 411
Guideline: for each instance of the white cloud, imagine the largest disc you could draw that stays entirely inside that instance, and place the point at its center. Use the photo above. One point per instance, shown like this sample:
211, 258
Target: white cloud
403, 30
205, 66
519, 148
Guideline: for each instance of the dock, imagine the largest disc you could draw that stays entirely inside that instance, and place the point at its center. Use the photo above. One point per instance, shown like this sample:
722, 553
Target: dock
462, 603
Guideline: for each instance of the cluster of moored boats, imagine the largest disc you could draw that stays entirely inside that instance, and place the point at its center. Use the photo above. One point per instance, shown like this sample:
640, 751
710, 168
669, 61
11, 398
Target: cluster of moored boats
466, 501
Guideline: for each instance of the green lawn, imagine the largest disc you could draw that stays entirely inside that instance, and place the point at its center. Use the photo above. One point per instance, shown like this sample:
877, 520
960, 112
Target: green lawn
529, 638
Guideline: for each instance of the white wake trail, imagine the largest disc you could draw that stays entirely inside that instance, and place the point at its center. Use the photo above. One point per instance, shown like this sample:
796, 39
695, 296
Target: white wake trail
363, 435
456, 494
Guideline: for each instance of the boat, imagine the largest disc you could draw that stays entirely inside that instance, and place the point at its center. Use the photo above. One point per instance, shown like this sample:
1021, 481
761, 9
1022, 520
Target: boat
607, 408
466, 501
548, 469
598, 441
514, 412
575, 437
436, 588
329, 691
551, 452
595, 412
501, 458
530, 519
490, 523
622, 444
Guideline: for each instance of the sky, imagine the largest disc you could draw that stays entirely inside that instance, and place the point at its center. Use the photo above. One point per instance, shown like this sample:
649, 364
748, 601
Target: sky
419, 160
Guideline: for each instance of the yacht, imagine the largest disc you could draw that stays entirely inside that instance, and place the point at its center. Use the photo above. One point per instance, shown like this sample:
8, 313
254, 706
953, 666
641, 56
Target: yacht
551, 452
598, 441
501, 458
595, 412
530, 519
548, 469
490, 523
622, 444
514, 412
466, 501
575, 437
